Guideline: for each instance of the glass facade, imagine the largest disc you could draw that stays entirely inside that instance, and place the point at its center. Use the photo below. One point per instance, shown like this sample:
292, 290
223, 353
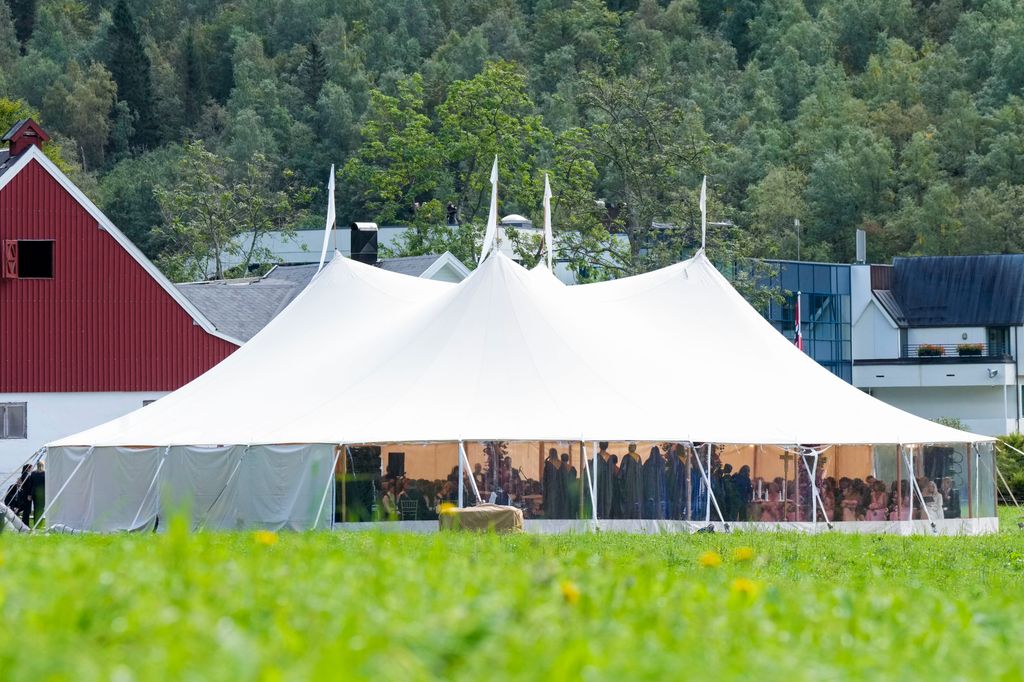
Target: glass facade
824, 310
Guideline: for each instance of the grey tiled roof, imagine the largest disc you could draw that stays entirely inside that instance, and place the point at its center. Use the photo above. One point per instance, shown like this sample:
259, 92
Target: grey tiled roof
240, 308
13, 129
6, 161
299, 275
410, 265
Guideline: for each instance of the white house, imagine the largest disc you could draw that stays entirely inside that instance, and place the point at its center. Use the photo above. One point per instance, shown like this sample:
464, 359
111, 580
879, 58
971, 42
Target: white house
939, 337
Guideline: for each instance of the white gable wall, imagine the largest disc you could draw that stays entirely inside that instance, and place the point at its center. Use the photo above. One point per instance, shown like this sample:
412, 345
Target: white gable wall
874, 335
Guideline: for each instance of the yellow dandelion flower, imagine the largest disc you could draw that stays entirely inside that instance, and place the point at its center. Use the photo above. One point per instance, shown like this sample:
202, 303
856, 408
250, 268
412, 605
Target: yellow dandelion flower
745, 587
265, 537
710, 559
570, 592
743, 553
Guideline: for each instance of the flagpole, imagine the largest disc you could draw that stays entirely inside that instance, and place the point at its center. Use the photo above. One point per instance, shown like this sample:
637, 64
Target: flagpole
492, 217
548, 238
799, 339
330, 220
703, 213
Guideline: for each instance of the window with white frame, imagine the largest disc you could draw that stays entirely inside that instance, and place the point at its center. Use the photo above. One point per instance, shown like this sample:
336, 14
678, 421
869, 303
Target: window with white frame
13, 420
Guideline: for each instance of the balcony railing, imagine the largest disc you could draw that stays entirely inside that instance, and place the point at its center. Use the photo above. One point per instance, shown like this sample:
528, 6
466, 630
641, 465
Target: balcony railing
967, 351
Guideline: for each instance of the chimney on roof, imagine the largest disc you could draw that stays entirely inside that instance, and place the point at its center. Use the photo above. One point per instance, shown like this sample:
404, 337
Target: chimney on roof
364, 242
24, 134
862, 247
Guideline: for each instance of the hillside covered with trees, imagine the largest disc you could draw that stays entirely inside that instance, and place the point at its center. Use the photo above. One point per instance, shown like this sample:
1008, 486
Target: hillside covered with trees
191, 121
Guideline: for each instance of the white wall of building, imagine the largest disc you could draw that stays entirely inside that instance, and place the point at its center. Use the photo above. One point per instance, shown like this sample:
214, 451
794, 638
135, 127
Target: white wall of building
875, 337
980, 408
55, 415
927, 374
946, 335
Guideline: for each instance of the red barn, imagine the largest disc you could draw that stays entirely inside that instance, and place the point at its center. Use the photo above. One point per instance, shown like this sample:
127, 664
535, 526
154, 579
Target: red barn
89, 328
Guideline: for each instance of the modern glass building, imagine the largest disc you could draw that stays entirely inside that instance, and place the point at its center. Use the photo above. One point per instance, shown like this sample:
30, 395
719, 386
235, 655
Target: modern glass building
824, 290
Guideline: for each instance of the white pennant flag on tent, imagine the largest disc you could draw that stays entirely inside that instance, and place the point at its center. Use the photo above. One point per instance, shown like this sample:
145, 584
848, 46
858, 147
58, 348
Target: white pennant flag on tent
548, 238
703, 212
492, 218
330, 219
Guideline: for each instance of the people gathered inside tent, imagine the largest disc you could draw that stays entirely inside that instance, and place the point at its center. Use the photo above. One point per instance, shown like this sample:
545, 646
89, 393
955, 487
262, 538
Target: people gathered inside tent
669, 481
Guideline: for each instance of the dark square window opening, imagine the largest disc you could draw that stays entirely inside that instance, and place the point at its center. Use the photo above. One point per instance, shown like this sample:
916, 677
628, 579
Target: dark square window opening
35, 259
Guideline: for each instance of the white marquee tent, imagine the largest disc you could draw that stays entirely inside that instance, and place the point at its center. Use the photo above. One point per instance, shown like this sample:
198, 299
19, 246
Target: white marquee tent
367, 356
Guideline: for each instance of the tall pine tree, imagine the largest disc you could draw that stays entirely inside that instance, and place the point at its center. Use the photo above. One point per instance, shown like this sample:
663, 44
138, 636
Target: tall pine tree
195, 82
313, 72
23, 12
129, 65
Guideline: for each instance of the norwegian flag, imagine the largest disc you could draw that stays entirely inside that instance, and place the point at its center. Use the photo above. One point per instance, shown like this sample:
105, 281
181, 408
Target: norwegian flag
798, 338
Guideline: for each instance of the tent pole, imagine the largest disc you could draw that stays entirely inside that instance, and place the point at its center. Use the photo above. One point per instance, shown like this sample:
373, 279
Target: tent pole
464, 461
815, 497
920, 495
462, 477
334, 516
38, 454
970, 480
977, 481
206, 516
593, 483
150, 488
327, 489
1003, 478
88, 453
707, 477
31, 461
691, 452
711, 494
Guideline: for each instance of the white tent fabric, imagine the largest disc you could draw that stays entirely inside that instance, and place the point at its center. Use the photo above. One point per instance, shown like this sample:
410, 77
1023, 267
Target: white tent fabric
367, 356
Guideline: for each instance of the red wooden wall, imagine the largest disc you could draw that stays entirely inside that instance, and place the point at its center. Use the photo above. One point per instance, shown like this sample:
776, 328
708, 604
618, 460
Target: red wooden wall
102, 323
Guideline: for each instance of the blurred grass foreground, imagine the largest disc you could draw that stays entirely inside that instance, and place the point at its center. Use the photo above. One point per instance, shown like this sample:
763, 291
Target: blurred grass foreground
267, 606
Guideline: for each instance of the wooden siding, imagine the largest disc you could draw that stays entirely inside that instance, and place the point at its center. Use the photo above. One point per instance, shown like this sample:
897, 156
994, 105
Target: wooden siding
102, 323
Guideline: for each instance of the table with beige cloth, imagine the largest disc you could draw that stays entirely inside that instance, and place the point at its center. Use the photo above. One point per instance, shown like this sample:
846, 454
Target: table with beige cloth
483, 517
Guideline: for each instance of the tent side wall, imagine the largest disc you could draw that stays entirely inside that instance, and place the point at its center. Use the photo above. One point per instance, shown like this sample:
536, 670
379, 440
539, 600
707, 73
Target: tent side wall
109, 489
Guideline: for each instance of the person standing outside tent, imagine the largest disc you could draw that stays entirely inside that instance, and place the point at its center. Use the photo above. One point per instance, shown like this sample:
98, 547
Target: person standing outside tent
37, 491
15, 497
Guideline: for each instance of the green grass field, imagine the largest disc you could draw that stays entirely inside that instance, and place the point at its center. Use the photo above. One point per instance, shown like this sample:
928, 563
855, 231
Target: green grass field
396, 607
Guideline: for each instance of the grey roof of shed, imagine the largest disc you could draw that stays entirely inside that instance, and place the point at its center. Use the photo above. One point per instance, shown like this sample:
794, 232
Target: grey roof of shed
242, 307
414, 266
969, 291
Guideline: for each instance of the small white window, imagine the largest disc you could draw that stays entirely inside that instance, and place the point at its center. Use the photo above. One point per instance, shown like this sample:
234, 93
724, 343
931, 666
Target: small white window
13, 420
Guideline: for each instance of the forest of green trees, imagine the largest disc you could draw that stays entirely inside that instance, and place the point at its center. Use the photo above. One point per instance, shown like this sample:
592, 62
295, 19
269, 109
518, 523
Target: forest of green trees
901, 117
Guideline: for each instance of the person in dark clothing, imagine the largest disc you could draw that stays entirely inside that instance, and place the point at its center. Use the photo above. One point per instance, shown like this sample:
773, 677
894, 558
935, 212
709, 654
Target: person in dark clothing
552, 489
744, 490
18, 498
950, 499
570, 488
677, 483
632, 477
605, 482
655, 491
36, 486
